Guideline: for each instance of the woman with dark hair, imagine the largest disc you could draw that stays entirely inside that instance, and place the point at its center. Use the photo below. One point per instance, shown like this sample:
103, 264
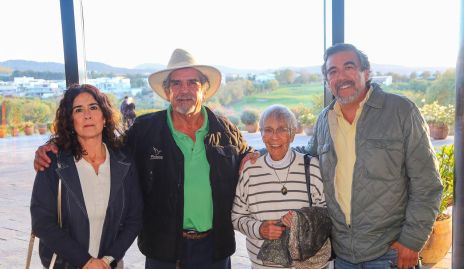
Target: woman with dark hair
101, 205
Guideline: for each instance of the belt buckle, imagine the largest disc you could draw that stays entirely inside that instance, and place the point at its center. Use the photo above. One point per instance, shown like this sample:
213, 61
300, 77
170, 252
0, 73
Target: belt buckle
194, 235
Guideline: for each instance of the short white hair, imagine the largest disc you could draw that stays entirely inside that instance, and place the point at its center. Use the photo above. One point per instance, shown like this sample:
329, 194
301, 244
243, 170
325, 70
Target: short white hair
279, 112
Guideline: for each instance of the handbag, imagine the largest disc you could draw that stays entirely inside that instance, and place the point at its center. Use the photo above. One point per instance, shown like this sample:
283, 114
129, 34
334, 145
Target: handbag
32, 237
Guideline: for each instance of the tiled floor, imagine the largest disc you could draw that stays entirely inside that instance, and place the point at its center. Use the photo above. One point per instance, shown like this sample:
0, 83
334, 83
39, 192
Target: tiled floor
17, 176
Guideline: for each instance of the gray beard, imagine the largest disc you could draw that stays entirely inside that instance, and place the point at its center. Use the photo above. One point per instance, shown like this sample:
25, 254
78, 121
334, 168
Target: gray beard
344, 100
185, 110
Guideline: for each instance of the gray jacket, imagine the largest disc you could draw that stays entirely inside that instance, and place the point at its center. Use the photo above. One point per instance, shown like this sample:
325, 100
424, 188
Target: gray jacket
396, 186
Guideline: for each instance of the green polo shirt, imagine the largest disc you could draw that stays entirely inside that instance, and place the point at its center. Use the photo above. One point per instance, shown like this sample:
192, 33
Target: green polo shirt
198, 199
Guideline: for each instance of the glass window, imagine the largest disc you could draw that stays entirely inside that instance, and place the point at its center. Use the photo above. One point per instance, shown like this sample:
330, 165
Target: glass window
412, 45
268, 52
31, 62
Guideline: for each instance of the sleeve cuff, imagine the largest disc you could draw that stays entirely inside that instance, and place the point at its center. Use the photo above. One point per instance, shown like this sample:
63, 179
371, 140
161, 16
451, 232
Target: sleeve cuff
411, 243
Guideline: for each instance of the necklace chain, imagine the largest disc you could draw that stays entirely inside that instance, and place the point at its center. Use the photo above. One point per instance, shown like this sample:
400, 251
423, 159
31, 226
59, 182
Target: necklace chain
284, 189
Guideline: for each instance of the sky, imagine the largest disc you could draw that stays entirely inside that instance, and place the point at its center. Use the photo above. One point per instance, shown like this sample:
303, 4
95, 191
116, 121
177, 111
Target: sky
239, 33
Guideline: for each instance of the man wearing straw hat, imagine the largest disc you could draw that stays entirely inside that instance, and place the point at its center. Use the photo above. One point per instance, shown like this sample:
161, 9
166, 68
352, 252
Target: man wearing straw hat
187, 160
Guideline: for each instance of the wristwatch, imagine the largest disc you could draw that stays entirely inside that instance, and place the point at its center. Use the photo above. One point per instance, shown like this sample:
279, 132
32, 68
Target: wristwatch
110, 261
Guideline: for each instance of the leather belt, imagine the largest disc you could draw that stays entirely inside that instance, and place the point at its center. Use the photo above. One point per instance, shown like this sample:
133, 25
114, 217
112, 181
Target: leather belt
194, 235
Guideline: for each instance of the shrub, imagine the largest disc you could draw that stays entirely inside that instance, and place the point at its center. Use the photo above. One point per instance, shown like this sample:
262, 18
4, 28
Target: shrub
303, 115
308, 119
435, 113
445, 157
249, 116
28, 124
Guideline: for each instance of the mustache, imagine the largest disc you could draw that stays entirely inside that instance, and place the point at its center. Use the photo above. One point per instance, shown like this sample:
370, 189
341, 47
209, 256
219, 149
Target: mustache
185, 97
344, 83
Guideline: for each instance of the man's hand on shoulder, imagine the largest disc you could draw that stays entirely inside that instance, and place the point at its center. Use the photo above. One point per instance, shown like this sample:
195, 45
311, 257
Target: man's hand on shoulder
41, 160
252, 157
407, 258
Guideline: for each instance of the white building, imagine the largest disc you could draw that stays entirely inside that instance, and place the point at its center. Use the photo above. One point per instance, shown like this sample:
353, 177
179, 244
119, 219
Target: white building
384, 80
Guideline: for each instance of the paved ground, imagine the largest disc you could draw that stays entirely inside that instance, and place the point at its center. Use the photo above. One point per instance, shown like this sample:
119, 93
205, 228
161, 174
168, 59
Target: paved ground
16, 178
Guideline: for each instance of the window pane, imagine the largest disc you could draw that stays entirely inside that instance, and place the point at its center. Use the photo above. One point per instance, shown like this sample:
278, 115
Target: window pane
269, 52
413, 43
31, 61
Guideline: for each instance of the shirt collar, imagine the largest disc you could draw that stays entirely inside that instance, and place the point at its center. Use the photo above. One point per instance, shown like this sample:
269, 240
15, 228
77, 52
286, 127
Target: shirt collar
203, 128
338, 110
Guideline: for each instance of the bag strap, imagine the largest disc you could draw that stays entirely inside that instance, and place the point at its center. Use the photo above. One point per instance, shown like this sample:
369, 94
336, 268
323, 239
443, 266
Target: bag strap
32, 238
29, 250
60, 221
307, 166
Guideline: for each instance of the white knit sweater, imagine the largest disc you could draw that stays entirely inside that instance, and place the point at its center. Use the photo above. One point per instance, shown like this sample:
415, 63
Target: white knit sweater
259, 197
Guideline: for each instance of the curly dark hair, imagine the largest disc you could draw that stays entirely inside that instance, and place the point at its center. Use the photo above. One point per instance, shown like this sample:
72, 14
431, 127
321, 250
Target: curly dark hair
66, 138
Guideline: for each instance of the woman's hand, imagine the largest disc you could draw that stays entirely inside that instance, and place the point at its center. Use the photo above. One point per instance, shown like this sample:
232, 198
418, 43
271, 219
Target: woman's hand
287, 219
270, 229
96, 264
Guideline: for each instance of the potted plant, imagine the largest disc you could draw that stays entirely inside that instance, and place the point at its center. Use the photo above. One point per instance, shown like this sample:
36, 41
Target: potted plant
42, 128
250, 118
28, 128
299, 111
14, 129
439, 118
308, 120
440, 240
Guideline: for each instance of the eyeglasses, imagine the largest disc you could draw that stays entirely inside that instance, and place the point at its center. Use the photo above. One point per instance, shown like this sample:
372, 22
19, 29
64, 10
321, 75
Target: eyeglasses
268, 131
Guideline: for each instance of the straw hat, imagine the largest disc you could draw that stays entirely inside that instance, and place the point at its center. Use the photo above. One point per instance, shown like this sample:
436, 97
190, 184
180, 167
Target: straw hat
182, 59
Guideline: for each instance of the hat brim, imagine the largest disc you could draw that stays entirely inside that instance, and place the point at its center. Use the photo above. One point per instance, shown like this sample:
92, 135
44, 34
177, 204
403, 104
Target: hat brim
213, 74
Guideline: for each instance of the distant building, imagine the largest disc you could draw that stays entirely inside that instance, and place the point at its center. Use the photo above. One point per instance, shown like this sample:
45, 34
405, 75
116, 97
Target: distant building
384, 80
262, 78
43, 91
119, 86
8, 90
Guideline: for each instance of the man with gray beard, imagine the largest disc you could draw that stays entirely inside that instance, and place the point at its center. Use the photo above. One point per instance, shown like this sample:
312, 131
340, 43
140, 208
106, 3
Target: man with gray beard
379, 169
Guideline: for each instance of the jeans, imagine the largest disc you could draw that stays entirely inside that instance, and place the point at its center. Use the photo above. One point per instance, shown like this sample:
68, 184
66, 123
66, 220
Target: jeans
196, 254
387, 261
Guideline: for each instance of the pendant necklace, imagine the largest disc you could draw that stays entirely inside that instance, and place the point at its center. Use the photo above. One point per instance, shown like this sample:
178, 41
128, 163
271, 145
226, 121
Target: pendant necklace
283, 190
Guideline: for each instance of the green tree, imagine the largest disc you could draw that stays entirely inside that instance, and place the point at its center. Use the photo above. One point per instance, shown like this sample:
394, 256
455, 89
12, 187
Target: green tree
272, 84
36, 112
426, 75
443, 89
234, 91
286, 76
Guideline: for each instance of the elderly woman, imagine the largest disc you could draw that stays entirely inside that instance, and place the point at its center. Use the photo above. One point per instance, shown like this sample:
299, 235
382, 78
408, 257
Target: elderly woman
275, 184
101, 205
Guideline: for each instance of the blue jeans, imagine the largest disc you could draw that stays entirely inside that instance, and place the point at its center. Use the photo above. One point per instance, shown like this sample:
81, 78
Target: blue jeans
195, 254
387, 261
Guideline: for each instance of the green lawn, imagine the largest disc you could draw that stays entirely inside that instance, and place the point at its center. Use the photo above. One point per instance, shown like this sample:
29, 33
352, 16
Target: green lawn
288, 95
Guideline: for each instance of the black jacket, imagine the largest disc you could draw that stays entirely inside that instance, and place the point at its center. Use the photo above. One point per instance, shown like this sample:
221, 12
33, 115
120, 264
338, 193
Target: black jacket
161, 169
123, 216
